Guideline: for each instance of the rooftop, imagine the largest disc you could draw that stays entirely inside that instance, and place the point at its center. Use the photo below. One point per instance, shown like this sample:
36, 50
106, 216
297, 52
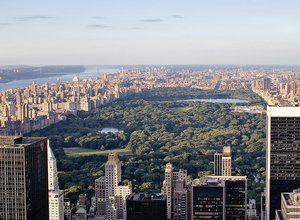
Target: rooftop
227, 151
146, 197
216, 181
293, 198
81, 211
18, 141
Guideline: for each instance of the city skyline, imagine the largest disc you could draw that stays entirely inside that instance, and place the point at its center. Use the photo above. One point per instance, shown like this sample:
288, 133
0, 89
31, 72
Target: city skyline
133, 32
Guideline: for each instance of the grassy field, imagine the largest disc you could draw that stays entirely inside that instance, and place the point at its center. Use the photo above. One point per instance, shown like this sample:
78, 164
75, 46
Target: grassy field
181, 109
79, 152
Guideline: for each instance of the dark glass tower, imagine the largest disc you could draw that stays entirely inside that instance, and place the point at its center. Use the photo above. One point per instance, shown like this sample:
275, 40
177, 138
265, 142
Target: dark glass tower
219, 197
208, 201
218, 163
283, 155
24, 178
235, 197
146, 206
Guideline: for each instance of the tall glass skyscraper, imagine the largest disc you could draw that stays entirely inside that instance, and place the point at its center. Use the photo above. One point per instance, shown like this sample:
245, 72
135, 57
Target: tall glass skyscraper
23, 178
283, 155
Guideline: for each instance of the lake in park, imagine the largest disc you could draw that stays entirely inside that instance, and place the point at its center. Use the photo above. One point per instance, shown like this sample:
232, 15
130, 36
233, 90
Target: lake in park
110, 130
229, 101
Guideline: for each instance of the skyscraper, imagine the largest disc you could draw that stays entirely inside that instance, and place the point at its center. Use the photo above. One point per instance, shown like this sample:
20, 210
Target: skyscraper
226, 161
219, 197
115, 194
294, 88
283, 155
207, 200
222, 162
100, 195
218, 163
146, 206
24, 178
56, 196
267, 84
169, 187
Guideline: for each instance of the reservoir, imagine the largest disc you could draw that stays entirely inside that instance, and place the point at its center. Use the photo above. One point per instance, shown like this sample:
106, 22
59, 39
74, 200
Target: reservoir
229, 101
110, 130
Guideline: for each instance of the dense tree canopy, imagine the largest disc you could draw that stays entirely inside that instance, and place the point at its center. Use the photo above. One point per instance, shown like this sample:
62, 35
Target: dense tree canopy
159, 129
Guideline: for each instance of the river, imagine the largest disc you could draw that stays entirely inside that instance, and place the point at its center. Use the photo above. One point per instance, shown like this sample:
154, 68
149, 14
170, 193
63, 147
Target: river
90, 72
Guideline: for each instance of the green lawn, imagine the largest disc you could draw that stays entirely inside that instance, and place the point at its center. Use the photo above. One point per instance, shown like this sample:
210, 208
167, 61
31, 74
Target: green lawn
79, 152
181, 109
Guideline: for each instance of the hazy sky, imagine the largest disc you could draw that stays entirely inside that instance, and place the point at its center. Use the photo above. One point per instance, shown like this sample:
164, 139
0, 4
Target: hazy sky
149, 32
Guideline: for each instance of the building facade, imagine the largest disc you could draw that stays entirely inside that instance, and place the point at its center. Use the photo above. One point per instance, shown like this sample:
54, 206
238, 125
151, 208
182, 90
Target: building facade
100, 196
175, 181
283, 155
110, 195
208, 201
226, 161
24, 178
217, 197
147, 207
56, 196
290, 206
218, 163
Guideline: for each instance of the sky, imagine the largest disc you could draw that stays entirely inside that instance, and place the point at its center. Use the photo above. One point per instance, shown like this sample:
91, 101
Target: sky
93, 32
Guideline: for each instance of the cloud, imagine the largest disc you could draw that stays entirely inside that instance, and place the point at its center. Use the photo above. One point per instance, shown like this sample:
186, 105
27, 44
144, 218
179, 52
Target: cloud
99, 26
34, 17
97, 17
177, 16
136, 28
152, 20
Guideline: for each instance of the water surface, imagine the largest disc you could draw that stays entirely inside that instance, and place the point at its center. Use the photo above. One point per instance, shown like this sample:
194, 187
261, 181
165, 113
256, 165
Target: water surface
229, 101
110, 130
90, 72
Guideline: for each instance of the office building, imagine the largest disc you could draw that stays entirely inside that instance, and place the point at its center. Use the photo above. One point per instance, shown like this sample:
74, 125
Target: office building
290, 206
100, 195
180, 201
218, 163
226, 161
267, 84
56, 205
169, 186
24, 178
146, 206
208, 200
222, 162
56, 196
294, 88
109, 191
217, 197
283, 155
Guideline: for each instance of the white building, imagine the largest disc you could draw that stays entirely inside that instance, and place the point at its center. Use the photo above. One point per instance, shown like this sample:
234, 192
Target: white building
115, 194
56, 196
290, 206
56, 205
169, 187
